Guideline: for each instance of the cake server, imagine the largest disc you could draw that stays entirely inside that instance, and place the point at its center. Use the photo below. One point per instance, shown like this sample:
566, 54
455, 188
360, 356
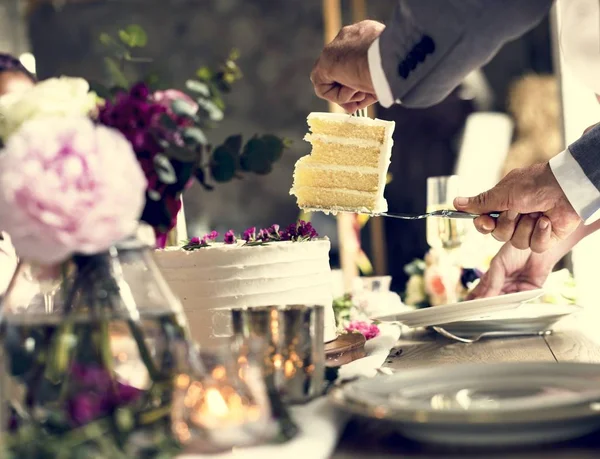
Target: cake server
437, 213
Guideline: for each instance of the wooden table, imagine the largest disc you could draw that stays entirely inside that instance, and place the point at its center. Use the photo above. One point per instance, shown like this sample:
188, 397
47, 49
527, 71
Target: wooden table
574, 340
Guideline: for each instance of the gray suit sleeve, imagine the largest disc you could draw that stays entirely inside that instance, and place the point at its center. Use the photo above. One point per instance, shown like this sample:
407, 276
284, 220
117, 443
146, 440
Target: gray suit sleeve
431, 45
586, 151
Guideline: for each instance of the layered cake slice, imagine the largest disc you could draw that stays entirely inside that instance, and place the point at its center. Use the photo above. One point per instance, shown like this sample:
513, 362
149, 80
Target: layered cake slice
347, 167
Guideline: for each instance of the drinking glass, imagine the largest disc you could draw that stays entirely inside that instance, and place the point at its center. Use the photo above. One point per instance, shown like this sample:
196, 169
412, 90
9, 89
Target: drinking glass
444, 233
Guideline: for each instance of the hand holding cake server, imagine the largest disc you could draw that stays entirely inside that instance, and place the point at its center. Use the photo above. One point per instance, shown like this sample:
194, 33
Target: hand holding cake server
425, 52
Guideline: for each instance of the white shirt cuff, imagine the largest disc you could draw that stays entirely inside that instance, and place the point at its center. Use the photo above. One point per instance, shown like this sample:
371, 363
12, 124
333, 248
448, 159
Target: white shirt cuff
380, 83
579, 190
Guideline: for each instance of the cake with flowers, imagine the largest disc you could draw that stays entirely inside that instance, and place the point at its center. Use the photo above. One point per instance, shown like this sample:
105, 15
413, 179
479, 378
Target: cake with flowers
261, 267
346, 170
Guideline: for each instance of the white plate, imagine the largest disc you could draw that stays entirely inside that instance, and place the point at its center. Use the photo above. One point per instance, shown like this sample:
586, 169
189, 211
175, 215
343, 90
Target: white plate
483, 404
464, 310
527, 318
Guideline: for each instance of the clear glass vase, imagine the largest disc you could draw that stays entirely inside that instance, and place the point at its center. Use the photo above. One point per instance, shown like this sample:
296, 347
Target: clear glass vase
93, 350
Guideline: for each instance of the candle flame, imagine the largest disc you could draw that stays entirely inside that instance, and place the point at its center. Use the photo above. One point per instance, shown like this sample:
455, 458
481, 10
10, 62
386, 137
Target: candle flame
215, 403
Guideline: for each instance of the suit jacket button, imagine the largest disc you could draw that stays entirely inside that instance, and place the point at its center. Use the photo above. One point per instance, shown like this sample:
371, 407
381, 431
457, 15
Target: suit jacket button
403, 70
427, 44
411, 62
418, 54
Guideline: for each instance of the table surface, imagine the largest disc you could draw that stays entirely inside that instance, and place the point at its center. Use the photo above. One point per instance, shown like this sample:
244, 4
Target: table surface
574, 340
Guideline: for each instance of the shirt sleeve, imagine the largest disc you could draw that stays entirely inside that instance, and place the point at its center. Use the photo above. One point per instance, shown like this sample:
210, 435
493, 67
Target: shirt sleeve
380, 82
578, 188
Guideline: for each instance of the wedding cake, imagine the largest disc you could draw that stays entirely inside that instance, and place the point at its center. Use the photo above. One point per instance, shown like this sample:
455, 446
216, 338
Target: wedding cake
260, 268
346, 170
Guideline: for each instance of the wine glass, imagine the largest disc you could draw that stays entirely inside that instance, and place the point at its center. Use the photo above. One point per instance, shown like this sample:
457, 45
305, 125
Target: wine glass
444, 233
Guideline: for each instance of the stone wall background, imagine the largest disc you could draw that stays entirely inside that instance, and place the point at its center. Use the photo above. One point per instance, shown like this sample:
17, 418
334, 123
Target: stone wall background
279, 41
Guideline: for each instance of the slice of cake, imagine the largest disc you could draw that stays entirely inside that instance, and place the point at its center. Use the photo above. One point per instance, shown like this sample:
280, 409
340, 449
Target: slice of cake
347, 167
259, 268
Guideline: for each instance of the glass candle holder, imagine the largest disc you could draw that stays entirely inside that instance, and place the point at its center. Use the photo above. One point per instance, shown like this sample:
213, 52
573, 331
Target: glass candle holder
294, 361
229, 407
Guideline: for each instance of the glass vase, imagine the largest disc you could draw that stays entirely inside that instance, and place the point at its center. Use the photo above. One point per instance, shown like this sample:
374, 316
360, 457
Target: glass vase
93, 349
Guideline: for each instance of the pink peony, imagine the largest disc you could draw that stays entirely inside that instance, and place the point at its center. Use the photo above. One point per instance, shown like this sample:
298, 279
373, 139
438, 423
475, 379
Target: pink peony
68, 186
369, 331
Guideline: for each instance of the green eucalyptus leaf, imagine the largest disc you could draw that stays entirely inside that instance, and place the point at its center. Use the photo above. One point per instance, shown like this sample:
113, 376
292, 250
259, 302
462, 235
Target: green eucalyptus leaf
115, 72
164, 170
234, 54
245, 163
106, 39
100, 90
222, 172
273, 146
133, 36
214, 112
183, 108
183, 154
223, 154
167, 122
223, 164
262, 168
198, 87
201, 177
234, 143
204, 73
196, 135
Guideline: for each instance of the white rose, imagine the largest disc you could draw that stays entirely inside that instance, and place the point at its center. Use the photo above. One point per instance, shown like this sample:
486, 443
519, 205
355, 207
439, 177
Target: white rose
55, 97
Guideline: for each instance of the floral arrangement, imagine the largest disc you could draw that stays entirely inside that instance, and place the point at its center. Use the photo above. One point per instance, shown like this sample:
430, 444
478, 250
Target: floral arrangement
437, 280
350, 319
296, 232
79, 169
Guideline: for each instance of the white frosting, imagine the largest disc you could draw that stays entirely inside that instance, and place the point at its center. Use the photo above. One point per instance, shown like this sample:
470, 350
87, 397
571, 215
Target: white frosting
221, 276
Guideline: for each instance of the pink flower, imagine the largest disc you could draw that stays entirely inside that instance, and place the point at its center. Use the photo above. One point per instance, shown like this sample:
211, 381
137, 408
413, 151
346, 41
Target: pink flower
369, 331
167, 97
68, 186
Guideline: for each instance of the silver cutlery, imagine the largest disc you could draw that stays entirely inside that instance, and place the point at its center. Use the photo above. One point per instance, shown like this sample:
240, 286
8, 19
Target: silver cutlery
437, 213
490, 334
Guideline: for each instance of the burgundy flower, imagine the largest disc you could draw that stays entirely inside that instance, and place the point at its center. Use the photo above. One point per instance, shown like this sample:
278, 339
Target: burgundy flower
84, 407
195, 240
126, 394
210, 237
90, 375
230, 237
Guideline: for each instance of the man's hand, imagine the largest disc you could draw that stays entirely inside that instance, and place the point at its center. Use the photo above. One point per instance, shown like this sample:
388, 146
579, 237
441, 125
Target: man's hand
341, 74
513, 270
535, 212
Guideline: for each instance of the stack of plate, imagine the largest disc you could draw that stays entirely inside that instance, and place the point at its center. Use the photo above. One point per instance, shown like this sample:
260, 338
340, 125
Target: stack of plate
465, 310
486, 404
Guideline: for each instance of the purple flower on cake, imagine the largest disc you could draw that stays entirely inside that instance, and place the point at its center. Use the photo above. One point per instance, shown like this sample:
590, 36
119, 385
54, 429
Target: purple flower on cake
62, 182
250, 234
229, 237
195, 240
369, 331
210, 237
301, 231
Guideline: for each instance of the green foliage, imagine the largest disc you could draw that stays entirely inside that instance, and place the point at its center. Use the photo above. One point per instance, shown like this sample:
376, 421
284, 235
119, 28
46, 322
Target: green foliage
134, 36
186, 150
